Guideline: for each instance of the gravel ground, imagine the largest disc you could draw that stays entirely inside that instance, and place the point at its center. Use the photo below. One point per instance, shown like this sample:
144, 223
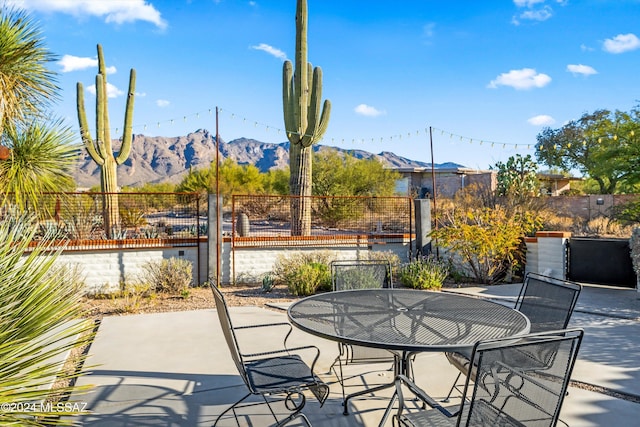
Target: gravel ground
198, 299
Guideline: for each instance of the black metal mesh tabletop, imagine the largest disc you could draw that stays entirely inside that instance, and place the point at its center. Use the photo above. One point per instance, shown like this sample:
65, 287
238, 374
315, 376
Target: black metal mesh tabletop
405, 320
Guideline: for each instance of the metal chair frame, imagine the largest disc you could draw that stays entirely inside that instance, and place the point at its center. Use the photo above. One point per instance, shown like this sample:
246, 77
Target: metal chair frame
280, 372
502, 394
354, 354
543, 317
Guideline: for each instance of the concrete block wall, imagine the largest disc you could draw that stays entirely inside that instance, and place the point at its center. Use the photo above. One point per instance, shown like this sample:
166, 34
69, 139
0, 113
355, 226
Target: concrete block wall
251, 264
104, 270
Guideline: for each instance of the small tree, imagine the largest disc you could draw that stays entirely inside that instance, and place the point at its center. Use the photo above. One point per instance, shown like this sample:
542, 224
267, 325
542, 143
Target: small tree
518, 177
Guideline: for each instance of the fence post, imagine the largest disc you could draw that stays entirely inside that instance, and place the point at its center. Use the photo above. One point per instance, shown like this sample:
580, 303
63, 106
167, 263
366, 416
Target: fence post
214, 239
423, 226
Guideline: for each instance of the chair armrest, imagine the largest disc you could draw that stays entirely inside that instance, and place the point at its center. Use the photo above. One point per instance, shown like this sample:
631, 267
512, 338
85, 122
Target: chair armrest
268, 325
420, 394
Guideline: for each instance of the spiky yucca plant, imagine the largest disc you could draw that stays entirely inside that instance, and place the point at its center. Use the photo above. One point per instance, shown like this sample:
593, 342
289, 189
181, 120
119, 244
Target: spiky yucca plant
40, 322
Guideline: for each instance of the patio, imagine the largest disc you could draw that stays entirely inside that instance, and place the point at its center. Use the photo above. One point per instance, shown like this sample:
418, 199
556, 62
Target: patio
174, 369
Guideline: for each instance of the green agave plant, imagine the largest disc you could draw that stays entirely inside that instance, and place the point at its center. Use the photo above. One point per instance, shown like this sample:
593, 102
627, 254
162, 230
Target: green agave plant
40, 322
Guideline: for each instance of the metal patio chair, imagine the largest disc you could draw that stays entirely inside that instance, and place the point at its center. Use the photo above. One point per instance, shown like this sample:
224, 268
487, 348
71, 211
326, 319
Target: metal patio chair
360, 274
547, 302
499, 393
282, 372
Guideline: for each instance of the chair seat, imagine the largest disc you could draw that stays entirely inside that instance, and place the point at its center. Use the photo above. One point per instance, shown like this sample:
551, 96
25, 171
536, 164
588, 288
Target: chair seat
484, 414
279, 373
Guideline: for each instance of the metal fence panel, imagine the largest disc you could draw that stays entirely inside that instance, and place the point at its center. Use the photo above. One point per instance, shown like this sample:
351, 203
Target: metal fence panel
262, 220
141, 219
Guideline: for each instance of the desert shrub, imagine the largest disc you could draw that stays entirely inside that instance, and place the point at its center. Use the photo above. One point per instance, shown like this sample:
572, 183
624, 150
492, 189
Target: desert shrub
424, 273
605, 227
294, 269
131, 297
310, 278
485, 241
172, 275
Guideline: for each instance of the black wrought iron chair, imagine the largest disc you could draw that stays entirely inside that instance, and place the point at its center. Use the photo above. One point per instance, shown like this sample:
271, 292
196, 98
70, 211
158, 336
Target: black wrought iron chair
281, 372
499, 393
360, 274
547, 302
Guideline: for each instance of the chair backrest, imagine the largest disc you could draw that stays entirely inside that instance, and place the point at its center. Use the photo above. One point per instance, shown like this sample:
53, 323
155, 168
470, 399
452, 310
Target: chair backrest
360, 274
547, 302
513, 394
229, 334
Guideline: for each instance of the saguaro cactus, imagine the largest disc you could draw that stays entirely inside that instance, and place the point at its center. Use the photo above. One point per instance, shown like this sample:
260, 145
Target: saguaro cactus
100, 148
305, 122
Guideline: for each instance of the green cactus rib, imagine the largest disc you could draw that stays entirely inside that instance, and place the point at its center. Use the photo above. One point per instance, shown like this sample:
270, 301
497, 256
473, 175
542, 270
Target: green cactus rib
306, 118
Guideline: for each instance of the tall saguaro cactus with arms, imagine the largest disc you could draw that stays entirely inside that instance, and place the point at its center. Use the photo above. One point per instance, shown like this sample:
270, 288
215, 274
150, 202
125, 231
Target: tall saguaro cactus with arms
100, 148
305, 122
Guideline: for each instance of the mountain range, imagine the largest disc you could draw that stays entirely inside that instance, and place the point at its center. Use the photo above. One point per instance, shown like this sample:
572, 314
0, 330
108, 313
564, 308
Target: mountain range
156, 159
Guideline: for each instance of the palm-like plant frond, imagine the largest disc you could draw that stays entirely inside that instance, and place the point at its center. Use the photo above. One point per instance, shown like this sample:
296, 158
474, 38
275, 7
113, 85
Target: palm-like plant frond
26, 85
40, 322
42, 158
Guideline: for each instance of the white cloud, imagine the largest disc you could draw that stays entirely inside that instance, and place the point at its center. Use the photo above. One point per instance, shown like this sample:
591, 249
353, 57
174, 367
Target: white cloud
622, 43
541, 120
585, 70
112, 91
537, 15
585, 48
527, 3
116, 11
75, 63
367, 110
271, 50
526, 78
162, 103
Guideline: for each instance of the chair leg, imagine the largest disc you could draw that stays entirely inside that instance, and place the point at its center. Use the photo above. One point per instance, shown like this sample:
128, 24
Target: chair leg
230, 408
453, 387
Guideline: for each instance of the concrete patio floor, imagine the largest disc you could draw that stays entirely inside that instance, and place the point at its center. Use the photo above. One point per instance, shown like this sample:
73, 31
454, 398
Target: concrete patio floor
174, 369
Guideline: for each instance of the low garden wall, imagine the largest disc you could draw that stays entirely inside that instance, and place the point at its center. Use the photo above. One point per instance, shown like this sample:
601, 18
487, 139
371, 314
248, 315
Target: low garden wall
103, 270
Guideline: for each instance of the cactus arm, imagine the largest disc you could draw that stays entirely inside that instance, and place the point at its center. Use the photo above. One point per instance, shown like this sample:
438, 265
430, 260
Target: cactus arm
84, 126
324, 119
288, 102
127, 134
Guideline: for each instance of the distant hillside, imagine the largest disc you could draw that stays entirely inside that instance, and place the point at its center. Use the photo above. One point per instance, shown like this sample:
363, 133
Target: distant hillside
161, 159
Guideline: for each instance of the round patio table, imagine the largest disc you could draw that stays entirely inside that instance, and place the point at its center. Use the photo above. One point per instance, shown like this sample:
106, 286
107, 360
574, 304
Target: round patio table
405, 321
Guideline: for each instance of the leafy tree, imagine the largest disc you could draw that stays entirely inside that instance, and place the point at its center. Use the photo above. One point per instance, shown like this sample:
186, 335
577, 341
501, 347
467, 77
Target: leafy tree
517, 177
602, 145
234, 179
337, 175
26, 84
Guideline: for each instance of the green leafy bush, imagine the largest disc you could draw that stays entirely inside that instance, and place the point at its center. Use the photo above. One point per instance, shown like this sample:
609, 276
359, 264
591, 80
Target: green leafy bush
173, 275
424, 273
309, 278
304, 273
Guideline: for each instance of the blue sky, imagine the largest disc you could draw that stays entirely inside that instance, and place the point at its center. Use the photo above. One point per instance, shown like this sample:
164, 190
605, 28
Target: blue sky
487, 76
